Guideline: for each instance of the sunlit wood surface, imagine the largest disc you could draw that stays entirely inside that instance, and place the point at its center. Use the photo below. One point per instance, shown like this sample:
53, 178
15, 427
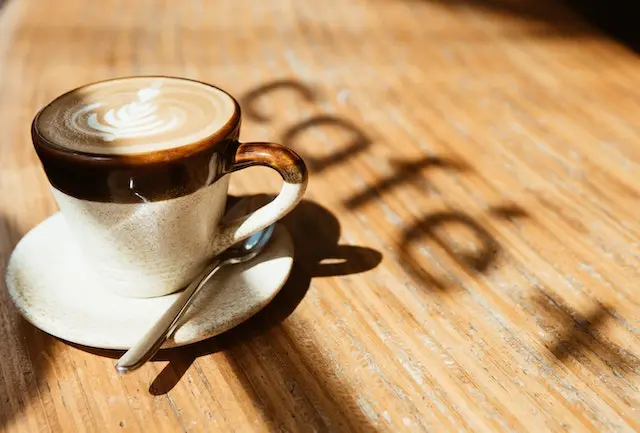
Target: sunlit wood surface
467, 255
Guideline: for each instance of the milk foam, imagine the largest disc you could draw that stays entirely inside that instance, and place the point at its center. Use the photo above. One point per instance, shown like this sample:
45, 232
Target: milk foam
138, 118
134, 115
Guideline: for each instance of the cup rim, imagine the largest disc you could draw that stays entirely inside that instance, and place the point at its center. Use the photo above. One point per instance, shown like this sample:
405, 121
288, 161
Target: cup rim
43, 144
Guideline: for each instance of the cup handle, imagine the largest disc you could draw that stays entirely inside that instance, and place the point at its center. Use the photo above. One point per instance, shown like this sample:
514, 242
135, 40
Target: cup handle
294, 174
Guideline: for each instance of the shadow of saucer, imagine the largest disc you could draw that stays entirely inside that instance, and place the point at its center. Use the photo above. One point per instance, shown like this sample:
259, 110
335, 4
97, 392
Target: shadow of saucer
315, 232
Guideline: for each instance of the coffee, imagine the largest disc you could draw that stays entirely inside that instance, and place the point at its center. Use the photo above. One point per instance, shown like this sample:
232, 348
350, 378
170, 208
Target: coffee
137, 115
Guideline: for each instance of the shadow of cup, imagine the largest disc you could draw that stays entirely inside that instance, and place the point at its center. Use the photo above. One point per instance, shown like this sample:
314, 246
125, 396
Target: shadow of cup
315, 232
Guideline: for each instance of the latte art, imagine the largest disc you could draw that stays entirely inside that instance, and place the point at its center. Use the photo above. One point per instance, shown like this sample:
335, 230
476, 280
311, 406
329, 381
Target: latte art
135, 119
136, 115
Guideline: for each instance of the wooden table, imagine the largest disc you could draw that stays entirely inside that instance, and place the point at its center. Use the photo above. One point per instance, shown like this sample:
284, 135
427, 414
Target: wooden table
466, 254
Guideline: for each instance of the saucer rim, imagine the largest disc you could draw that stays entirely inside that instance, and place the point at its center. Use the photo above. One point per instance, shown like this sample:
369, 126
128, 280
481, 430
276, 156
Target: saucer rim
20, 305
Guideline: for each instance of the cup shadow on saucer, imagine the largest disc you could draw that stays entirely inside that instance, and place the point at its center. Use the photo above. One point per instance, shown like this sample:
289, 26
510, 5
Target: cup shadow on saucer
315, 232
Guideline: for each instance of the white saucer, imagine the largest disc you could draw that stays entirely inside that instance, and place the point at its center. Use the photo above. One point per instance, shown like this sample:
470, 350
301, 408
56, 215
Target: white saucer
52, 291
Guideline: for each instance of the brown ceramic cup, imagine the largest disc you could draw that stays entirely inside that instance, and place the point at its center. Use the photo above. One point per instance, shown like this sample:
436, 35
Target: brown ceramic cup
139, 167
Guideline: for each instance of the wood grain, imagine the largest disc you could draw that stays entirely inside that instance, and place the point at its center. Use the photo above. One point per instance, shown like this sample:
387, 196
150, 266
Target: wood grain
467, 254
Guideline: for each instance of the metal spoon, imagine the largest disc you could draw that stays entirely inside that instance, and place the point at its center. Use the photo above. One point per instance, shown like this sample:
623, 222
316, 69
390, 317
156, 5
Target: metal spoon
148, 345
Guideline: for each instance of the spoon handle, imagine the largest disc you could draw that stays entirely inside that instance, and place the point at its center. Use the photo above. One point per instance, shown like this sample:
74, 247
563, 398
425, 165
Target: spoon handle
151, 342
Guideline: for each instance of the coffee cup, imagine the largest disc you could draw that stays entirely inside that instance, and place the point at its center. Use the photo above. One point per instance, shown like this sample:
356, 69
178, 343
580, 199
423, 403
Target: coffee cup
139, 167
